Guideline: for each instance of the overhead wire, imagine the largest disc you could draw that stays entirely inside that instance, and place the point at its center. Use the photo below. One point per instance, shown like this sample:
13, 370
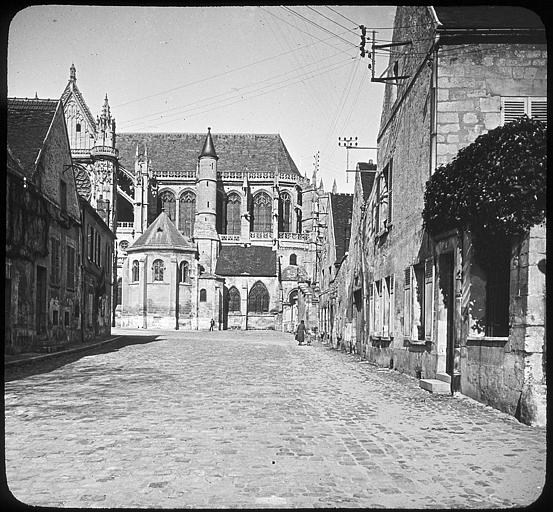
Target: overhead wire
330, 19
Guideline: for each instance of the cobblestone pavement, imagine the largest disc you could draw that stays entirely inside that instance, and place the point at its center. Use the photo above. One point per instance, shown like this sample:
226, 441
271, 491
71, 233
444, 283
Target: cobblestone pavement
251, 419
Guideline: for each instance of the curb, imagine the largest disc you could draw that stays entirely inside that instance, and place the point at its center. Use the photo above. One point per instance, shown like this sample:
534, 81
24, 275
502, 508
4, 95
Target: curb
60, 352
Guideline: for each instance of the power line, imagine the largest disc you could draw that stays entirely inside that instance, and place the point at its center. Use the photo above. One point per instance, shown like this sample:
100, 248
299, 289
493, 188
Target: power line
330, 19
340, 14
317, 25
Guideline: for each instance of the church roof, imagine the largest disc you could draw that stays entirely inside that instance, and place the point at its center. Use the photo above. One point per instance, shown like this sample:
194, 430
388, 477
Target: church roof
255, 260
180, 151
28, 122
161, 234
487, 16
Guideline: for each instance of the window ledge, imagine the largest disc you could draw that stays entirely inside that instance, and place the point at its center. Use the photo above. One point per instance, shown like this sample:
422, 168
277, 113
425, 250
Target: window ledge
416, 342
488, 338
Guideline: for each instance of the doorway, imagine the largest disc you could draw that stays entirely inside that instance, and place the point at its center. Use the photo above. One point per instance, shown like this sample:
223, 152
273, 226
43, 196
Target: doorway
41, 313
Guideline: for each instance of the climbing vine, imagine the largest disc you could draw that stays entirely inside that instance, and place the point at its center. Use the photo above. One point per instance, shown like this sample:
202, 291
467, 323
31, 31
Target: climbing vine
495, 187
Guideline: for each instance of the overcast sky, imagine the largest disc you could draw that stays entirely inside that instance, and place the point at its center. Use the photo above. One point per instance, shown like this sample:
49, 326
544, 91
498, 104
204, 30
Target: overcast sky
236, 69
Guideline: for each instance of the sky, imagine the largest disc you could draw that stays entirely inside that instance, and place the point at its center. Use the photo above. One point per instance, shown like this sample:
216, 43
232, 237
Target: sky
292, 70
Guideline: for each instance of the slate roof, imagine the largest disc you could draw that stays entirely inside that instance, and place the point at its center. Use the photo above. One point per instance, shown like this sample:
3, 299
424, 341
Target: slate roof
255, 260
28, 122
161, 234
487, 16
342, 206
367, 178
180, 151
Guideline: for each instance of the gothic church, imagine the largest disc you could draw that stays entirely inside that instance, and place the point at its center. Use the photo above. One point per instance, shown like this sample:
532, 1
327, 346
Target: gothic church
209, 227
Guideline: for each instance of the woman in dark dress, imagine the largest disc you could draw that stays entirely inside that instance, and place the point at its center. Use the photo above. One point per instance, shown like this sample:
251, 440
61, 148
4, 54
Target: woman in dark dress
300, 333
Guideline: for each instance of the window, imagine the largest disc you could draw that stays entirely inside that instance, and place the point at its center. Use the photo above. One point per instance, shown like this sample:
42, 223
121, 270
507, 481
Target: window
63, 195
55, 317
418, 301
378, 308
258, 299
187, 213
298, 221
70, 282
123, 245
384, 198
166, 202
285, 212
135, 271
293, 259
387, 306
262, 211
183, 272
514, 107
119, 291
90, 243
157, 270
78, 128
203, 295
66, 318
233, 214
234, 300
55, 261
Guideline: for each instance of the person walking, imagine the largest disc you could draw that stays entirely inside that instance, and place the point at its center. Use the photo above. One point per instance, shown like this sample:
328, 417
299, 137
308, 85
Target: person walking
300, 333
211, 324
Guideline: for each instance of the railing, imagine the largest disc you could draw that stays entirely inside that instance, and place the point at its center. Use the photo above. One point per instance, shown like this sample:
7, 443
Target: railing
234, 238
105, 151
77, 152
125, 224
294, 236
261, 235
176, 174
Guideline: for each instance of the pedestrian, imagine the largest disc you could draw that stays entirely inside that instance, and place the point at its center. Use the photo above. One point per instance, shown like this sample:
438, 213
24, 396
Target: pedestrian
300, 333
211, 324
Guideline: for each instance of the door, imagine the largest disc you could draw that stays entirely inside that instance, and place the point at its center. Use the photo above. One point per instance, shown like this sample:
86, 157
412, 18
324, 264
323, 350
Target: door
447, 283
41, 312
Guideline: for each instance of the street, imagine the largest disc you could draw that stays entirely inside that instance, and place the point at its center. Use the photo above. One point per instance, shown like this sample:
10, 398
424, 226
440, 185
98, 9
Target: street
249, 419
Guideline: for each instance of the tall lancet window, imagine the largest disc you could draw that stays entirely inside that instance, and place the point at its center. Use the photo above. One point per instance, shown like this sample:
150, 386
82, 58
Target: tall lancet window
166, 201
187, 213
285, 218
262, 210
258, 298
233, 214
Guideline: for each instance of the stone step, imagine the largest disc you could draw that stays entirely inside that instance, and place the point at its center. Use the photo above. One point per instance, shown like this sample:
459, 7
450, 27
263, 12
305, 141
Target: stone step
438, 387
444, 377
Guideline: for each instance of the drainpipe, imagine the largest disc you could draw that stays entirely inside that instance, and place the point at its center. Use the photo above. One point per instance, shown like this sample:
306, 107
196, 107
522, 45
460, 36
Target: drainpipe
434, 106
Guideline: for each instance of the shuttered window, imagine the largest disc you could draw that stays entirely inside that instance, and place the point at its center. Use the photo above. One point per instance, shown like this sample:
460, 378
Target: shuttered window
428, 298
514, 107
407, 302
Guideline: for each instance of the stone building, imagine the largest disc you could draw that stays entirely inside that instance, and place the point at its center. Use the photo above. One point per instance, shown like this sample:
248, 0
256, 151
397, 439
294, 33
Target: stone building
458, 73
236, 202
43, 244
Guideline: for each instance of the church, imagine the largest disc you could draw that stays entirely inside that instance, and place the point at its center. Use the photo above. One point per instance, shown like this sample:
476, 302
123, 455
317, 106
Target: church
211, 228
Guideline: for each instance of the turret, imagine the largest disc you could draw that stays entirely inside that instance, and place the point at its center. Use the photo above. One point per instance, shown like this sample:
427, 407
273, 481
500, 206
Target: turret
205, 231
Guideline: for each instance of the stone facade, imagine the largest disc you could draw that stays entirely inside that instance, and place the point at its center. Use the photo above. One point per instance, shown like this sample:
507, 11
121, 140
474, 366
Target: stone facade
43, 237
425, 298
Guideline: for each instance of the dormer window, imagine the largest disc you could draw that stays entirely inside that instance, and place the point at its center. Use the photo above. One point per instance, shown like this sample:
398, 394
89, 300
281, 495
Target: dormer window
78, 128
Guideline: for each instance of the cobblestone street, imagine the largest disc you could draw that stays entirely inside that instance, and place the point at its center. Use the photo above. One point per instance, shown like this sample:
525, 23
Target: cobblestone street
251, 419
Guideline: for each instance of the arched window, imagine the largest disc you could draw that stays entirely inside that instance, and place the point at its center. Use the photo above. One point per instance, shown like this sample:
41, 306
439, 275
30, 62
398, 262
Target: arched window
184, 272
119, 291
234, 300
258, 299
187, 213
298, 221
135, 271
203, 295
262, 210
293, 259
293, 297
78, 127
285, 212
166, 201
233, 214
157, 270
220, 211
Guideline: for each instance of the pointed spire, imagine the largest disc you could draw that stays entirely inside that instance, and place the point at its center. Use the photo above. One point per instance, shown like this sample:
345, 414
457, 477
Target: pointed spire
105, 108
209, 147
36, 95
321, 186
72, 73
334, 187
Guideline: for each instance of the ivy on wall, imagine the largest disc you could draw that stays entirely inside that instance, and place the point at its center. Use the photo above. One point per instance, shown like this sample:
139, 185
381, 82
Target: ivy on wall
495, 187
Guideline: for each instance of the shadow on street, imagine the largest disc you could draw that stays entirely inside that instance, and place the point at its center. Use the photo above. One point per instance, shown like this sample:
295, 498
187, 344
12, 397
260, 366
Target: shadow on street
57, 360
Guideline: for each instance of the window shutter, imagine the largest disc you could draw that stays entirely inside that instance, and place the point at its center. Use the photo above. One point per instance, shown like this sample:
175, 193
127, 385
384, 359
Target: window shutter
512, 108
538, 109
407, 303
428, 298
371, 308
391, 309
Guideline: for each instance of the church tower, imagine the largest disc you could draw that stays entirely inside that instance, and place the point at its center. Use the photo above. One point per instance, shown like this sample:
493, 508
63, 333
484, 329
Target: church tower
205, 231
104, 158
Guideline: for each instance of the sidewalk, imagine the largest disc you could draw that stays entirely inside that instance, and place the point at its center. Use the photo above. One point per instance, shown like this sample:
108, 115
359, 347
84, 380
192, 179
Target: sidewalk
28, 357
